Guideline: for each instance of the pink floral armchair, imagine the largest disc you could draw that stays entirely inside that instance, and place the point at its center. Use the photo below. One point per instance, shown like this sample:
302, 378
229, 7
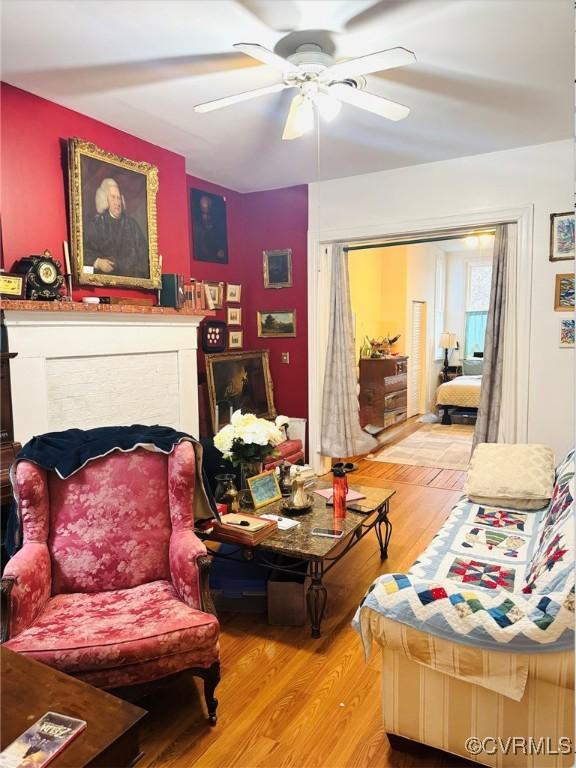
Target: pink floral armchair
111, 584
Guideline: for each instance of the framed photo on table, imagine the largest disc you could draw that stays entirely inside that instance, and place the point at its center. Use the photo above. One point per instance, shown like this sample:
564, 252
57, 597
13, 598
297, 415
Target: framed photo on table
113, 218
278, 269
264, 489
562, 236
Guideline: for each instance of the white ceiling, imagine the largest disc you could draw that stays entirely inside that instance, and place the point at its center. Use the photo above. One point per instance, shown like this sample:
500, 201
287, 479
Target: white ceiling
491, 74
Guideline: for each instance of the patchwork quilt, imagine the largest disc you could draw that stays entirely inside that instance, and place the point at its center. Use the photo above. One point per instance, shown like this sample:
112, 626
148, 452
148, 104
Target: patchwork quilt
492, 577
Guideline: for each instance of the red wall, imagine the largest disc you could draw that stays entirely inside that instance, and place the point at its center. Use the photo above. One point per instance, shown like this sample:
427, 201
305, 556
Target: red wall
274, 220
34, 182
35, 216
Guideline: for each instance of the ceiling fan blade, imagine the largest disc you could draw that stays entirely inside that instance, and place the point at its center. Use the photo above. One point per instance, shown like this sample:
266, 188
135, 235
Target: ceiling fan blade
369, 102
300, 118
226, 101
267, 57
373, 62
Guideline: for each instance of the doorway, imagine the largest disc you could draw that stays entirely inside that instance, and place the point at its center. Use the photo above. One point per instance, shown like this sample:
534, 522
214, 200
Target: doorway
321, 244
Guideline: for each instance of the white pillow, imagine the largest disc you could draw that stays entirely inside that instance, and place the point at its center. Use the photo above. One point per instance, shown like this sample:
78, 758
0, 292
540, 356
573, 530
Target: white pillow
516, 476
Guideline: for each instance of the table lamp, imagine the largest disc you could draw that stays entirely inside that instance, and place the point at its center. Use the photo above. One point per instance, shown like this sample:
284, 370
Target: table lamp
447, 341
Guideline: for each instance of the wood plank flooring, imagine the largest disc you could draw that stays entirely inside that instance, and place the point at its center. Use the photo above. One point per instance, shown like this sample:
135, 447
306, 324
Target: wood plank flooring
288, 701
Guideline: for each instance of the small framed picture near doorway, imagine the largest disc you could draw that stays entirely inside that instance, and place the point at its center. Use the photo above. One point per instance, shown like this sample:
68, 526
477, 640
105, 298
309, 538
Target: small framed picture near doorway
567, 332
562, 236
278, 268
564, 294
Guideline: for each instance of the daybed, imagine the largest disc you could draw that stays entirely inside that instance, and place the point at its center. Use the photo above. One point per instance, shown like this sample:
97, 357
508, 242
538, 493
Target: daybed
477, 638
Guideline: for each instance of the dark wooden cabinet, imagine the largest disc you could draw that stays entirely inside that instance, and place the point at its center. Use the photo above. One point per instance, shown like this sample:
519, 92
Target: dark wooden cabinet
383, 392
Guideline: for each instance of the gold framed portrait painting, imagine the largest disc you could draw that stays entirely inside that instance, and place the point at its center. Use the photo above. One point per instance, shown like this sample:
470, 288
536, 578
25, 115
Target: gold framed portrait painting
113, 218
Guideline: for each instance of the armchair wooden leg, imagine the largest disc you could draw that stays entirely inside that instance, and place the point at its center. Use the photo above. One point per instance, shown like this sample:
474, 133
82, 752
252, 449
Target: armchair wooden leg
211, 679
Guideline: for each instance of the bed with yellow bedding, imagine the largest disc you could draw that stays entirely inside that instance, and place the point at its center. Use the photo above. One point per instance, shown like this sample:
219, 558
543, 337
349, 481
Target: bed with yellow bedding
461, 392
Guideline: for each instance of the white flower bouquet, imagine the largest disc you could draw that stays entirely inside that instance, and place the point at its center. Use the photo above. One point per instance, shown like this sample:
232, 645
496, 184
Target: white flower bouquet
248, 439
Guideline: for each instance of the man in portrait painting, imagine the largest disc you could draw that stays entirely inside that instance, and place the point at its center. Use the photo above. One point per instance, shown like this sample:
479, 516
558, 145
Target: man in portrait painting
209, 227
114, 244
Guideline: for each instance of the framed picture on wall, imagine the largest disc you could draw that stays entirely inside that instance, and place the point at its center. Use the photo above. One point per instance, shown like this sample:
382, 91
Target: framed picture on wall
216, 291
564, 294
233, 292
236, 339
567, 332
562, 236
234, 316
278, 269
113, 218
209, 232
277, 324
240, 380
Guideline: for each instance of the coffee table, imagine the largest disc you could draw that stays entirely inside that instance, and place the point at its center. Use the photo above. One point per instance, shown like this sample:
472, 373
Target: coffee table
30, 689
320, 554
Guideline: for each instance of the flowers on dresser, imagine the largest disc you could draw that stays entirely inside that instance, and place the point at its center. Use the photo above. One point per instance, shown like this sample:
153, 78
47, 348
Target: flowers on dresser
249, 439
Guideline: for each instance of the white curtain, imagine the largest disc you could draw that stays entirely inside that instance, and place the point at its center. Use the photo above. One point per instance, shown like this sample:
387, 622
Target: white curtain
342, 434
498, 412
509, 410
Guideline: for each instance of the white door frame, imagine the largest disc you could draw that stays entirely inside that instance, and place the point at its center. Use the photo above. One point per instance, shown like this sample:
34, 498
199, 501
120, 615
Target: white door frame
319, 253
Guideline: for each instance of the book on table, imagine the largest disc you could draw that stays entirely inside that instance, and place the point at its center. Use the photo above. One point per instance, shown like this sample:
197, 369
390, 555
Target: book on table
327, 493
40, 743
242, 528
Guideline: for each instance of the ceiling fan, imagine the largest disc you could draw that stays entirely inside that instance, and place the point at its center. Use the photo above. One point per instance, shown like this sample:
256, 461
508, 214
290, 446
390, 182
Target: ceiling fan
321, 83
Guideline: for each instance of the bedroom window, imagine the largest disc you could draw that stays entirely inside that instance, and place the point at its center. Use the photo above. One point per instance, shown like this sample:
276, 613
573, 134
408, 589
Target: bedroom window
477, 301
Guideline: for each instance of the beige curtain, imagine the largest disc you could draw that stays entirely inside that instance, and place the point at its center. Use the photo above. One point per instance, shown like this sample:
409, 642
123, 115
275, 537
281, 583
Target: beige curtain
342, 434
488, 421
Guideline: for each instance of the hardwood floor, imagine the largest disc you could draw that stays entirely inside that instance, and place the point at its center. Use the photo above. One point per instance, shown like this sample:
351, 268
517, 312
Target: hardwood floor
288, 701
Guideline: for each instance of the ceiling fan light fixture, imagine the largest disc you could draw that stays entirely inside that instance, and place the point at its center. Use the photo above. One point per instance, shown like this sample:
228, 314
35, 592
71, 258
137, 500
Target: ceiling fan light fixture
328, 107
300, 117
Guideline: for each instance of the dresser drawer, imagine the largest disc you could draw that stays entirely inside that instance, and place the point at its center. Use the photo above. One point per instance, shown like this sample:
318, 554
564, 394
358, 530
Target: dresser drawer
395, 400
393, 383
394, 418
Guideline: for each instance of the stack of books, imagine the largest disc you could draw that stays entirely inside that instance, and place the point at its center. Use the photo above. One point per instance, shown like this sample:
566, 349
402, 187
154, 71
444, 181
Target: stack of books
241, 528
197, 295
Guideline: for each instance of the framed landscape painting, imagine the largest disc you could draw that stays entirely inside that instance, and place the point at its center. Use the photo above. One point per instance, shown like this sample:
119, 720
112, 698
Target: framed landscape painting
277, 324
564, 295
113, 218
240, 380
562, 236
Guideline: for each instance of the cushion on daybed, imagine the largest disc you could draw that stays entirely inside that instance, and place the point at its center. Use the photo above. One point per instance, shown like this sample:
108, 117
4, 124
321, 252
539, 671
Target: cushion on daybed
517, 476
472, 367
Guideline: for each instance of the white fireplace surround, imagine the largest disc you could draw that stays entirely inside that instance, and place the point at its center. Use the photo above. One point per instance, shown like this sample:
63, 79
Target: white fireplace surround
97, 369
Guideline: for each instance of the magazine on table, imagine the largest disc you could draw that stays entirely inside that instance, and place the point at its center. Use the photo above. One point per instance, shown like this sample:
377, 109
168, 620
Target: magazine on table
40, 743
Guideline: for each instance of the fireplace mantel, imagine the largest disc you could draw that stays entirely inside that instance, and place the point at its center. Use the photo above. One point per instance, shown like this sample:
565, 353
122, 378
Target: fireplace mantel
87, 366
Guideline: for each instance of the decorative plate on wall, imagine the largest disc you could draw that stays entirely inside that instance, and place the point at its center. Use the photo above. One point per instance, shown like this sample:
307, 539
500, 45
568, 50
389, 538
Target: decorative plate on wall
214, 336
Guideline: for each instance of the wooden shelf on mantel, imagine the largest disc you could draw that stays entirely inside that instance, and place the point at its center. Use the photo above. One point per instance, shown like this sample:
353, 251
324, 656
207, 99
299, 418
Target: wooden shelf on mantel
76, 306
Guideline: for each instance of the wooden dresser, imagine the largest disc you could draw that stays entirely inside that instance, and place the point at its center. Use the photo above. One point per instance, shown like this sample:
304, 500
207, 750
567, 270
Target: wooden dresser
383, 392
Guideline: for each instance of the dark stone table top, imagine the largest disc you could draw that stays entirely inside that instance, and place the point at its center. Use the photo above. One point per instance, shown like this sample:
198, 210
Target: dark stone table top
300, 542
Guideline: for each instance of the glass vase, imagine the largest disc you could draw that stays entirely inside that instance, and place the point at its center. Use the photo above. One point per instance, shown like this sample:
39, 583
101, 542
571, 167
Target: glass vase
248, 469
